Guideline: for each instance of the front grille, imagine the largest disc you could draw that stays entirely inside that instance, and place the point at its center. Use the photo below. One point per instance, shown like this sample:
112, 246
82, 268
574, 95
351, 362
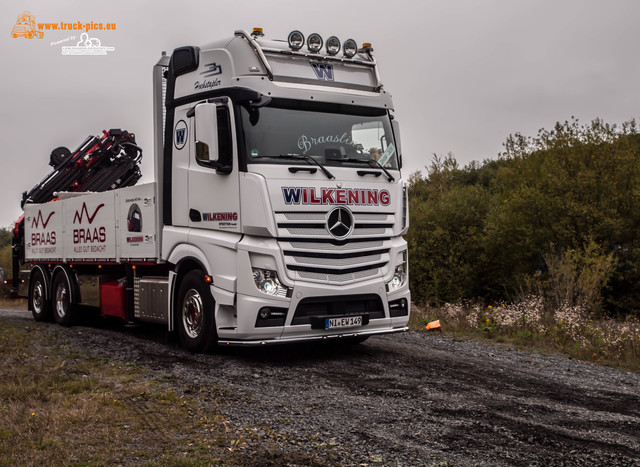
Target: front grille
312, 253
324, 261
366, 305
314, 224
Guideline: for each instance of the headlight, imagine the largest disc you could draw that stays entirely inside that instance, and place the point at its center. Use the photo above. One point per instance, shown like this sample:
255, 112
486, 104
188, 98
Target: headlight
267, 282
399, 275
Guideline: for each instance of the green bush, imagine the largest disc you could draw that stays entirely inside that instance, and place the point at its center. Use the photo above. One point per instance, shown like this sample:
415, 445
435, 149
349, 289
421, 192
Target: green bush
568, 198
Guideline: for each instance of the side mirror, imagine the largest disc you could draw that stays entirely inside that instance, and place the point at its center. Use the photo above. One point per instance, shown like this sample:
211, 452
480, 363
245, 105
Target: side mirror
396, 134
206, 133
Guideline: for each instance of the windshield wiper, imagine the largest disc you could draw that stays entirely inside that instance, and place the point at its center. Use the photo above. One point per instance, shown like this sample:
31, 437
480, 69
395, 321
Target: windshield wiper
369, 162
304, 157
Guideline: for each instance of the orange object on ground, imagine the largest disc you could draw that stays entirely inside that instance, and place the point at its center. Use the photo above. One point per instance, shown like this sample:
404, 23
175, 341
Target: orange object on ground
434, 326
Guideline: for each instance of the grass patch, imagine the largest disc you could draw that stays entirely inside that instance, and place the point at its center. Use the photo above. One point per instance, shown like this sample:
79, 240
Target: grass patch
61, 406
528, 325
14, 304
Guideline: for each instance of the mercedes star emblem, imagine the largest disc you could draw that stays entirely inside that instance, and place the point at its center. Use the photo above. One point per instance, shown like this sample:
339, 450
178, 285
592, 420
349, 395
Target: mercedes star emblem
340, 223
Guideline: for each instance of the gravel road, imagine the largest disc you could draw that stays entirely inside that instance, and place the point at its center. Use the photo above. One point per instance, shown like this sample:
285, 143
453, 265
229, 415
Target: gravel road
409, 399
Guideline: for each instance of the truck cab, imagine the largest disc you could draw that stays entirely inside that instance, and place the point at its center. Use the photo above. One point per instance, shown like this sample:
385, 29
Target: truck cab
281, 171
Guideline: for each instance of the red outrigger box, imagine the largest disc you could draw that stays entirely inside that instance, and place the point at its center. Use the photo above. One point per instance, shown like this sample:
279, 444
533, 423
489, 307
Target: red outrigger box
113, 300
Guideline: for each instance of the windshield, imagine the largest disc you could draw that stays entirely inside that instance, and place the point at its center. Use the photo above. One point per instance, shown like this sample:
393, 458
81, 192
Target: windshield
331, 137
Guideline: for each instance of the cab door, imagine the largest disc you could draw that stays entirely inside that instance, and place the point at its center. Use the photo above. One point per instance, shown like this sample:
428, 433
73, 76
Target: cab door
213, 180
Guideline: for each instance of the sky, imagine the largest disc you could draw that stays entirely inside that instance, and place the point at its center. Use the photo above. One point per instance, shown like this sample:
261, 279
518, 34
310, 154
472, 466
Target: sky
464, 74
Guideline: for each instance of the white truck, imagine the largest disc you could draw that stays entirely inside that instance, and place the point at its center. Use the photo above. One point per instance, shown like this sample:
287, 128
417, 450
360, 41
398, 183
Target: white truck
276, 214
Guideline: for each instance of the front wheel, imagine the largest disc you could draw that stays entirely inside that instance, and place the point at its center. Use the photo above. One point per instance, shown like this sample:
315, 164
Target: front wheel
38, 304
195, 314
64, 310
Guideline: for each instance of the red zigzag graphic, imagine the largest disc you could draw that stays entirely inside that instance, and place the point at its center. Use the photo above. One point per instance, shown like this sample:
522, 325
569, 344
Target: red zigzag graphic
39, 218
80, 215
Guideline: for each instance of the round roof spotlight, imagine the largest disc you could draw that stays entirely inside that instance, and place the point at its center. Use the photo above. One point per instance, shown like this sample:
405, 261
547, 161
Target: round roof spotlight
314, 43
333, 45
350, 48
296, 40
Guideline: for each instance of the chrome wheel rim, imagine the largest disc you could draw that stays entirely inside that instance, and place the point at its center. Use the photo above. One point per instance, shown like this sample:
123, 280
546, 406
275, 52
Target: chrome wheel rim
62, 300
192, 313
38, 297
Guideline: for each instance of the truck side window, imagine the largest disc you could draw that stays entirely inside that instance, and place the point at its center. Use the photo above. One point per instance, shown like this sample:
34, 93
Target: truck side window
225, 154
222, 158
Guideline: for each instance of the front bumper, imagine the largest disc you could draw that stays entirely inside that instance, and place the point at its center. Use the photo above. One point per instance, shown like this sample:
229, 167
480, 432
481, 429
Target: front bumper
291, 340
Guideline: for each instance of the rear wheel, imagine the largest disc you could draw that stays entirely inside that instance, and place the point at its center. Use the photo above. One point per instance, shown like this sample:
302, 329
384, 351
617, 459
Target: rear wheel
195, 314
64, 310
40, 307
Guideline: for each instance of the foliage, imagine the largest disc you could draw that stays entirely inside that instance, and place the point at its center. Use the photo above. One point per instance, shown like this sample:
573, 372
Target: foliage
568, 198
530, 323
5, 250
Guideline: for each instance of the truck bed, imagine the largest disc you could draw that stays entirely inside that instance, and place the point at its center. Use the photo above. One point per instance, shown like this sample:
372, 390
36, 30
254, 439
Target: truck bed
113, 226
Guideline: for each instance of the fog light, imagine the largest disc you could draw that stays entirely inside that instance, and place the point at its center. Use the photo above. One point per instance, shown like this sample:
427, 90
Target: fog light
350, 48
333, 45
264, 313
314, 43
296, 40
270, 317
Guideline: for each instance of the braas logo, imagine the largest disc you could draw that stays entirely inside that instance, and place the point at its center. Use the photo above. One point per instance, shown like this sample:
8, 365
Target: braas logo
79, 216
212, 69
180, 137
42, 238
39, 218
323, 71
88, 234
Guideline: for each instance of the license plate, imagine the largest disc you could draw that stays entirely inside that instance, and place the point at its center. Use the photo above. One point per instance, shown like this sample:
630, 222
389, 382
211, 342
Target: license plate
347, 322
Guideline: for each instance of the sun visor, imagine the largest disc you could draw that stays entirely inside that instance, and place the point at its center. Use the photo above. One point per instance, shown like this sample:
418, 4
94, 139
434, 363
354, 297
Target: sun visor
306, 70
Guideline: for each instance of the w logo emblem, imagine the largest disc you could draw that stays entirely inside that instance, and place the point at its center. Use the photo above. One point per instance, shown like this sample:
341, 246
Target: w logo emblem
180, 135
323, 71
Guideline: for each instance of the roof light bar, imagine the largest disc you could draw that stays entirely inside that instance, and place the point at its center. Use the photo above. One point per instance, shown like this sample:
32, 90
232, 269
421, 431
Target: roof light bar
333, 46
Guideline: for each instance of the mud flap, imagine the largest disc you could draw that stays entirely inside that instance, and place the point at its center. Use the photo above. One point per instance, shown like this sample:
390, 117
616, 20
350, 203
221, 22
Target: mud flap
170, 295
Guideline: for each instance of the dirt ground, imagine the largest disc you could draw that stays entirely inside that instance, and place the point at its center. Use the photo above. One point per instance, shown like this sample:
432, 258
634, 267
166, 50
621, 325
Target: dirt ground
409, 399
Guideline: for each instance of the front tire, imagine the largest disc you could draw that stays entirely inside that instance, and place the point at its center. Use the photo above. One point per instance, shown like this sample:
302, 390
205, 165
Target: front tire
195, 318
38, 303
64, 310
